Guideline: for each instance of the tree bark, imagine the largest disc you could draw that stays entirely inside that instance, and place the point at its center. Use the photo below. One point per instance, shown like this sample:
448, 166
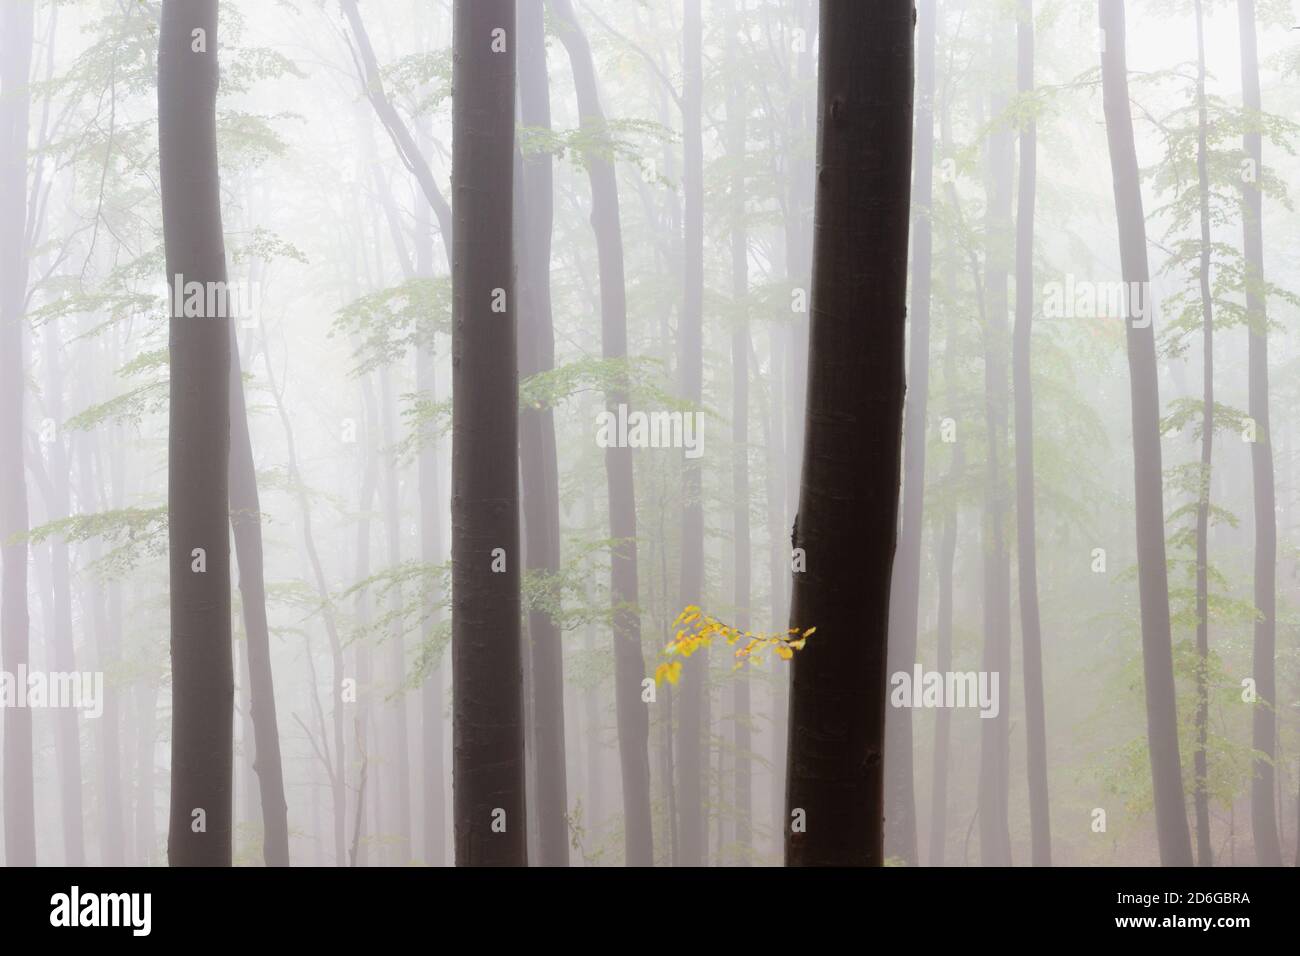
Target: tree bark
1153, 576
487, 676
198, 442
632, 715
1022, 384
995, 732
15, 103
848, 499
1263, 816
246, 524
900, 807
537, 443
690, 751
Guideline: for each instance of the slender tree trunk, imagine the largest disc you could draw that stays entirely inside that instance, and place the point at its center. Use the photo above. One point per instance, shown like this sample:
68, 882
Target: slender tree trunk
691, 757
203, 690
1153, 577
487, 697
1201, 796
537, 443
432, 506
246, 523
1026, 544
391, 497
778, 567
742, 806
900, 796
364, 670
995, 732
64, 656
629, 664
1263, 816
848, 500
108, 650
16, 19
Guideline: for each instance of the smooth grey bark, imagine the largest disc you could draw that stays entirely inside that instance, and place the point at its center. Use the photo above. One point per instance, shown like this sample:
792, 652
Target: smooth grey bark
16, 19
487, 674
1022, 384
203, 689
900, 795
848, 498
246, 525
1153, 577
633, 717
537, 448
1263, 816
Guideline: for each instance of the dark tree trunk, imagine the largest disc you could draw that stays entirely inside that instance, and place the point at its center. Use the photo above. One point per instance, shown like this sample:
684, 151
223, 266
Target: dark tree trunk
1263, 816
900, 797
848, 500
629, 664
537, 443
15, 103
203, 690
1153, 577
1200, 790
1026, 546
487, 675
246, 523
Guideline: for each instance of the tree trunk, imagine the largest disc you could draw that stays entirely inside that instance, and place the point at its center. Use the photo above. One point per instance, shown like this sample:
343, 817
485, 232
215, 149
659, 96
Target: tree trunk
1153, 577
198, 443
848, 499
742, 806
15, 103
537, 443
390, 495
59, 506
1200, 792
900, 806
690, 751
1263, 815
1026, 542
487, 696
995, 732
246, 523
629, 664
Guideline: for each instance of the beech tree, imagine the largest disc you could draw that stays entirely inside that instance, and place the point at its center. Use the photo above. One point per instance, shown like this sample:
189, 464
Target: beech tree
198, 455
487, 668
834, 797
1153, 575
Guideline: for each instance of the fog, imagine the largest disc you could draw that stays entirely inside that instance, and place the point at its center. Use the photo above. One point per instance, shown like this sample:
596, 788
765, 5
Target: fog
272, 597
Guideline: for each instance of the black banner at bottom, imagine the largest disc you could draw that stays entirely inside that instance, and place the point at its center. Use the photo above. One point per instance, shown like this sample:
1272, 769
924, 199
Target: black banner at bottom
588, 906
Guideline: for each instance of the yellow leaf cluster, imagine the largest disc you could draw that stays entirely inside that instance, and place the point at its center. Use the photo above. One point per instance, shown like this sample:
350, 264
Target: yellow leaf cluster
695, 630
